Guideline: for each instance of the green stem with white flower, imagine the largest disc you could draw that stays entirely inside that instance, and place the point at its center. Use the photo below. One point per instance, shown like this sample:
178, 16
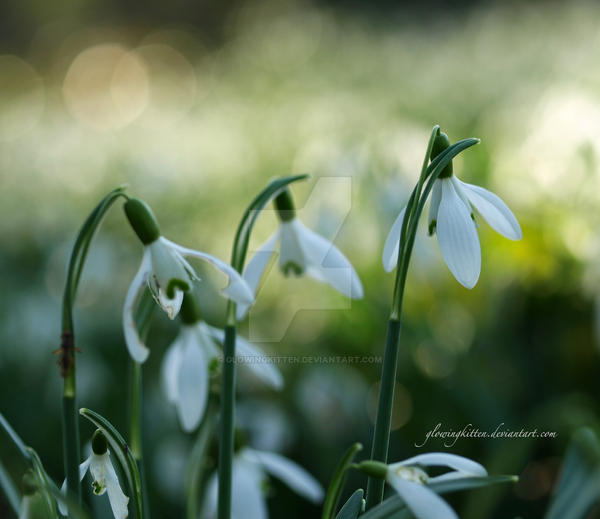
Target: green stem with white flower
434, 165
227, 410
70, 423
142, 318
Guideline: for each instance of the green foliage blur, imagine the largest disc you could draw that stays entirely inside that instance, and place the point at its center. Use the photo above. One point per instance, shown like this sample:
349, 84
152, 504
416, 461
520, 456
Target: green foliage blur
197, 120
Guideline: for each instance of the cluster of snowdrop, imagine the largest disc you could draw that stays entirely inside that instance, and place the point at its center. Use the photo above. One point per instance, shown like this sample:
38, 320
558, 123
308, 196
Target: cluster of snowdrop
193, 358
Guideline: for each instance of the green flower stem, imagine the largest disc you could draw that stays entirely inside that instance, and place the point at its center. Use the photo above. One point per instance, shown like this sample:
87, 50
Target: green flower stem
143, 316
227, 416
238, 259
70, 422
430, 171
381, 434
197, 463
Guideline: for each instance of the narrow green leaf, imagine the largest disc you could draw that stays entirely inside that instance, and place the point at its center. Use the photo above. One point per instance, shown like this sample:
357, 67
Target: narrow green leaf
579, 485
394, 505
352, 507
10, 490
337, 482
14, 437
123, 454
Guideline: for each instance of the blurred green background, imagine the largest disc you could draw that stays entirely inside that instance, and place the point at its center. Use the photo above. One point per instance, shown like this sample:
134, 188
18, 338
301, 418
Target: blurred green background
196, 108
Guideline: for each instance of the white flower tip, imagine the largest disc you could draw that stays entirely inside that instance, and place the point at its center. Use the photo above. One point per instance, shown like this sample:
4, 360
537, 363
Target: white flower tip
239, 291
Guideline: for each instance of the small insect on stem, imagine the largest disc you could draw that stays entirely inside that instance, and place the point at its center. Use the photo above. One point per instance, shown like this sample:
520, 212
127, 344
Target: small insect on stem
66, 351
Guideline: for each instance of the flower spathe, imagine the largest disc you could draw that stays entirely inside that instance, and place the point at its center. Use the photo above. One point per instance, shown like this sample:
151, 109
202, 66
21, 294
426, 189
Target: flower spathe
302, 251
167, 273
186, 369
411, 482
250, 469
451, 218
104, 480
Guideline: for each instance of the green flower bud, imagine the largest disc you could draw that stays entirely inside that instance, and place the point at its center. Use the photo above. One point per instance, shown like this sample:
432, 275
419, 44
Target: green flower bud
285, 206
29, 483
375, 469
440, 143
190, 311
99, 443
142, 220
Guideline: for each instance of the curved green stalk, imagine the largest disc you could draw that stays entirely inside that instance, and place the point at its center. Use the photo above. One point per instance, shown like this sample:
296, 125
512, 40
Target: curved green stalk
334, 491
70, 423
238, 260
429, 173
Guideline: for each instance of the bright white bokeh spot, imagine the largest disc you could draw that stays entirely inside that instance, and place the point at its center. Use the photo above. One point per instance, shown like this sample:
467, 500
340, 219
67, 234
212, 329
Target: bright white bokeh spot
106, 87
171, 85
21, 97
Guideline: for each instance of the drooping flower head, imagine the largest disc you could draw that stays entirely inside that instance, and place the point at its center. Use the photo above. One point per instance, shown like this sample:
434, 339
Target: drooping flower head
409, 479
104, 477
167, 273
250, 469
186, 368
301, 251
451, 217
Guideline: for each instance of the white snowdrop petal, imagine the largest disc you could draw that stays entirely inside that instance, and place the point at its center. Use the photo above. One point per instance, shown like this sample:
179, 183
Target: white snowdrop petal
457, 236
256, 267
170, 370
248, 501
136, 347
118, 500
326, 263
292, 474
236, 289
443, 459
420, 500
494, 211
290, 250
170, 306
392, 243
192, 384
248, 498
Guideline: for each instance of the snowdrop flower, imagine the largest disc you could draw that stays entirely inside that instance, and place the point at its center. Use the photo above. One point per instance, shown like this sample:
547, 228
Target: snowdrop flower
187, 364
451, 218
250, 468
104, 477
167, 274
411, 482
301, 251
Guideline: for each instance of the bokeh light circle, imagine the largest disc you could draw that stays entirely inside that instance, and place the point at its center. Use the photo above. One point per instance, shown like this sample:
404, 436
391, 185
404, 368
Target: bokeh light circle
106, 87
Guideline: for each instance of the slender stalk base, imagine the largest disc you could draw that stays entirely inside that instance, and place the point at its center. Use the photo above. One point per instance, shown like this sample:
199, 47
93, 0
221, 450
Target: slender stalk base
135, 431
227, 423
383, 421
71, 449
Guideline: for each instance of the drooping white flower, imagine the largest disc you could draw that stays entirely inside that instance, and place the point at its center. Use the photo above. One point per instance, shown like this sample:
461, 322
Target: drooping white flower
301, 251
451, 218
411, 482
186, 369
167, 273
104, 478
250, 469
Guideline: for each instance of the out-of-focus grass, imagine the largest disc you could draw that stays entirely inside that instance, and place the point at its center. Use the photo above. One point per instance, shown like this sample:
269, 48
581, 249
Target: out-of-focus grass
196, 131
